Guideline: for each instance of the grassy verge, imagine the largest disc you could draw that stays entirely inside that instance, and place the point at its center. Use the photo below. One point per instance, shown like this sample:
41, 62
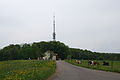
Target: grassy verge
113, 67
26, 69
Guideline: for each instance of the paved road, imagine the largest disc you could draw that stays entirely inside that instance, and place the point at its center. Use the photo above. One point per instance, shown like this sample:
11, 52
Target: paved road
66, 71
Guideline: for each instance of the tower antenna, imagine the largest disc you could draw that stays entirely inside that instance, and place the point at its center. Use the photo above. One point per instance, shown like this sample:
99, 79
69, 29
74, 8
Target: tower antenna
54, 34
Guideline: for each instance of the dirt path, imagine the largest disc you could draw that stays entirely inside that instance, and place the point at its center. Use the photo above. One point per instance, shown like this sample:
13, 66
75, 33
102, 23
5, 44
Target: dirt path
66, 71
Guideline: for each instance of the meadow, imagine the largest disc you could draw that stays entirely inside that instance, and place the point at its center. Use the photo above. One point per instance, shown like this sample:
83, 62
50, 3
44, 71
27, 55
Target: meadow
26, 69
114, 66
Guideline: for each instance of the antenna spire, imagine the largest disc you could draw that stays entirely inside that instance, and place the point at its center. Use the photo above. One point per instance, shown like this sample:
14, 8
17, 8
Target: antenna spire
54, 35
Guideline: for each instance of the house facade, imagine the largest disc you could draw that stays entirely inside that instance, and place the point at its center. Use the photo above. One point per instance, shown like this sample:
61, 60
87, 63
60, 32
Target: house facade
49, 55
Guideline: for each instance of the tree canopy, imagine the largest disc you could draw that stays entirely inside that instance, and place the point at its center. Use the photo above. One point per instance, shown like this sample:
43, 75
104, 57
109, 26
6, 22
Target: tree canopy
33, 51
37, 49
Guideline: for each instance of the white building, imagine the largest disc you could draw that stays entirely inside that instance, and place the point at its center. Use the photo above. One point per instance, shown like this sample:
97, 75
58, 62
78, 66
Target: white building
49, 55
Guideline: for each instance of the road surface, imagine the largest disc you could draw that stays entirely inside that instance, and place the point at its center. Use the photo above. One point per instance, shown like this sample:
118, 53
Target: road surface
66, 71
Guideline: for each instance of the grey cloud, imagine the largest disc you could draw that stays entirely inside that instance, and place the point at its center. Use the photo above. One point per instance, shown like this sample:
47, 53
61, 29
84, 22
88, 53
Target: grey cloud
87, 24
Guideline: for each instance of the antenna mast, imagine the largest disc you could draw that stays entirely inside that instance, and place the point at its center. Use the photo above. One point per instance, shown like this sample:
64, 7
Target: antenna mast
54, 35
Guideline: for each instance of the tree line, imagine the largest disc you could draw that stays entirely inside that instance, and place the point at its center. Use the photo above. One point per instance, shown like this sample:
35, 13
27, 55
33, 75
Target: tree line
37, 49
33, 51
89, 55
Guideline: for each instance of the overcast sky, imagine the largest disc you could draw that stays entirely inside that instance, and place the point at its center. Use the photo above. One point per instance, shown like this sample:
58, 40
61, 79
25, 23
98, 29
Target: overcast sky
85, 24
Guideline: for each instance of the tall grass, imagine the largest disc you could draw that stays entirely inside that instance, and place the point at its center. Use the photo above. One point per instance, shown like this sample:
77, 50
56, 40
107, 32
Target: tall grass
26, 69
113, 67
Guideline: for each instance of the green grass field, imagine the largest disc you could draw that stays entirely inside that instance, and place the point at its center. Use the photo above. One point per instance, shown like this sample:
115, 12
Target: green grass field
26, 69
113, 67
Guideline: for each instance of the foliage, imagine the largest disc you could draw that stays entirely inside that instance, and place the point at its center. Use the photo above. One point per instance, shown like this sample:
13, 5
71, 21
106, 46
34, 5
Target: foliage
26, 69
89, 55
35, 50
